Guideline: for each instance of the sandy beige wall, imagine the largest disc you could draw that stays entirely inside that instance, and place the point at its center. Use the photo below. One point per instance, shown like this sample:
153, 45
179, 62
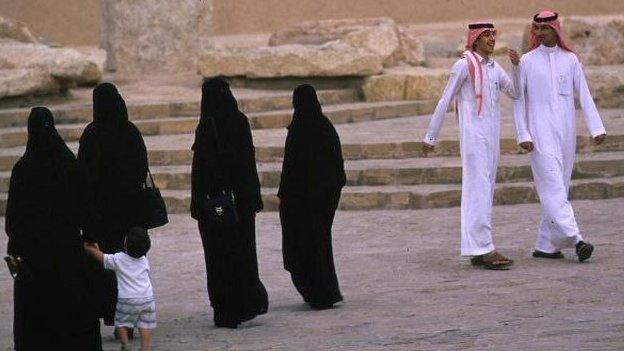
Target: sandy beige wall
77, 21
65, 21
258, 16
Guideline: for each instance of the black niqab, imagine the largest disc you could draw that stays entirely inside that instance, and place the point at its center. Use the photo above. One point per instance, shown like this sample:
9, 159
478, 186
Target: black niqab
45, 148
109, 108
113, 157
227, 162
44, 215
311, 180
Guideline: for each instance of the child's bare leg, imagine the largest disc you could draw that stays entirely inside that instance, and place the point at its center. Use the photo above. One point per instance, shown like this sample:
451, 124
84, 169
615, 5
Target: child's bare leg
146, 339
123, 335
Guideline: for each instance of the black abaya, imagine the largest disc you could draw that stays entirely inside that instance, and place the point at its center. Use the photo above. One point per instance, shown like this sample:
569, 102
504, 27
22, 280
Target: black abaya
113, 155
54, 308
234, 287
312, 178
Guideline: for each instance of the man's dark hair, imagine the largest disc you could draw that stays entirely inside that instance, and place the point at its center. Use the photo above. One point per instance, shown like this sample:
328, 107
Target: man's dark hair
137, 242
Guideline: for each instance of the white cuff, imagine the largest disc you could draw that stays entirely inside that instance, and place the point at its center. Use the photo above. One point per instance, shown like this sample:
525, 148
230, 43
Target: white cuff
598, 132
524, 137
429, 139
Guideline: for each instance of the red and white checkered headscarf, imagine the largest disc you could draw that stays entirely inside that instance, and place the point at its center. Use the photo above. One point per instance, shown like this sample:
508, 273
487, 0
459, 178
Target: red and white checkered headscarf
550, 18
474, 64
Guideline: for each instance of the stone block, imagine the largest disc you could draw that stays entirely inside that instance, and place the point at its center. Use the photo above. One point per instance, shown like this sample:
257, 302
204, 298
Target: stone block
331, 59
596, 189
394, 43
514, 194
363, 201
405, 83
68, 66
445, 198
149, 36
27, 81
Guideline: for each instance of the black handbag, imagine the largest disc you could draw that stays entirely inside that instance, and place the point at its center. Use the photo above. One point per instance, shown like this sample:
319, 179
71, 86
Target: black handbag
220, 208
154, 205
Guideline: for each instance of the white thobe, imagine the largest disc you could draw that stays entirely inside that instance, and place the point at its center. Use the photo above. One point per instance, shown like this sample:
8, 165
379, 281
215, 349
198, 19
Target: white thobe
479, 147
545, 115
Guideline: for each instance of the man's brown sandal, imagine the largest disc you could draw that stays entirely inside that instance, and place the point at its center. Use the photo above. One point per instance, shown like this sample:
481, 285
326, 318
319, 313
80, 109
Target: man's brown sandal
493, 260
542, 254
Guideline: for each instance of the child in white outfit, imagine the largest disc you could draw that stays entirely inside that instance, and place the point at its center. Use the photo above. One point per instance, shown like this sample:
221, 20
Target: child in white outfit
136, 307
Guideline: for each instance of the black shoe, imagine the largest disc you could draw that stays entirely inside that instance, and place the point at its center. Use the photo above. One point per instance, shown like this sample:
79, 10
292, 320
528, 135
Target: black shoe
584, 250
230, 325
321, 305
223, 323
542, 254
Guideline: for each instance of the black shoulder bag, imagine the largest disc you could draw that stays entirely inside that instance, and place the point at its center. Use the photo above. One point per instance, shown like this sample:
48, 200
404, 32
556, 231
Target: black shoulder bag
155, 207
220, 208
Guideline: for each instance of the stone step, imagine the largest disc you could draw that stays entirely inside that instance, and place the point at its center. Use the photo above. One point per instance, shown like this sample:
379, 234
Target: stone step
390, 138
339, 114
399, 197
249, 102
412, 171
398, 150
427, 196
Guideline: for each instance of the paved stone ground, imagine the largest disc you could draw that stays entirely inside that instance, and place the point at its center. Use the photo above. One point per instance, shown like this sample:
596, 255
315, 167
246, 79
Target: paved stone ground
405, 288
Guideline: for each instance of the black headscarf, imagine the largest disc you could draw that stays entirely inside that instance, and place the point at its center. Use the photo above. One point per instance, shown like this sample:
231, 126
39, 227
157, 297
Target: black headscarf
42, 180
312, 154
228, 161
217, 103
45, 148
113, 157
308, 112
109, 108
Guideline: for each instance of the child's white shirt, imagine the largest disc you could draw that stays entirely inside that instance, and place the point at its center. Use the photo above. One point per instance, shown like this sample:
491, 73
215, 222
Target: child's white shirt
133, 275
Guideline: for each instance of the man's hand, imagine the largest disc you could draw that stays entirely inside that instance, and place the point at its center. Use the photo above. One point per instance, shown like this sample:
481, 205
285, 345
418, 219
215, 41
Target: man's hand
599, 139
514, 57
427, 148
527, 145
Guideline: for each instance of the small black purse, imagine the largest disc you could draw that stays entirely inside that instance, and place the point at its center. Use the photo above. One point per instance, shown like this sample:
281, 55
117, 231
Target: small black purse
154, 205
220, 208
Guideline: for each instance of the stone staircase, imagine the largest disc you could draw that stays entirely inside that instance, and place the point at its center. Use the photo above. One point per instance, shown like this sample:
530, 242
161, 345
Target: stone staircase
381, 145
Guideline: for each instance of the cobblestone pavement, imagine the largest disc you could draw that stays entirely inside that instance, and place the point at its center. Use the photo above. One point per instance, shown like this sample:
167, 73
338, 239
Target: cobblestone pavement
405, 288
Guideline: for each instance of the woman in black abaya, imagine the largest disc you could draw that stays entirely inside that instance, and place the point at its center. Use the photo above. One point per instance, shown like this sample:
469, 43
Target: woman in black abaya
312, 178
45, 212
227, 162
113, 156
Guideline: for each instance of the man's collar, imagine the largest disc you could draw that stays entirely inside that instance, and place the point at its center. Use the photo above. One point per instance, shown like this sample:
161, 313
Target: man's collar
488, 61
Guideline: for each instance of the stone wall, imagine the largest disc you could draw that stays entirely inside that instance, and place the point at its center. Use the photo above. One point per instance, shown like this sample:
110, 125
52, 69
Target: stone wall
155, 36
69, 22
80, 18
253, 16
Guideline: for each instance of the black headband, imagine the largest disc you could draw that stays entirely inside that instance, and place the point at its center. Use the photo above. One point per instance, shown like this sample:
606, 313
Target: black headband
480, 25
545, 19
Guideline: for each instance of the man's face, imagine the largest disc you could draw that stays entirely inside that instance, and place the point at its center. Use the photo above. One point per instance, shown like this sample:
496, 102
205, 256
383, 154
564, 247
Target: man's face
485, 42
546, 35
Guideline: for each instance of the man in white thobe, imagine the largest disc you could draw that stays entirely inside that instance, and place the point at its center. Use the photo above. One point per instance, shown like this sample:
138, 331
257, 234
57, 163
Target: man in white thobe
476, 82
545, 119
